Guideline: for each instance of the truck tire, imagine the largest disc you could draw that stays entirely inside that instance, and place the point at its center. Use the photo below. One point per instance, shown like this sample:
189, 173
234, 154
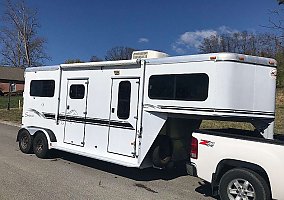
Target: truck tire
40, 145
239, 183
162, 152
25, 141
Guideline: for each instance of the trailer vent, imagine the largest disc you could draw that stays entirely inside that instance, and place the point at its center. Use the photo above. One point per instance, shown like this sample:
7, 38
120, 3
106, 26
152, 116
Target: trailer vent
148, 54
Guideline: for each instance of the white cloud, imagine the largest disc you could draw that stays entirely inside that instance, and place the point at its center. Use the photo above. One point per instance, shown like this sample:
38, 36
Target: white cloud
195, 38
177, 49
190, 41
143, 40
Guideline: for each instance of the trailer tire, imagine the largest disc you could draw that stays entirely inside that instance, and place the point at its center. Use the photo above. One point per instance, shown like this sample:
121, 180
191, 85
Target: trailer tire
25, 141
162, 152
40, 145
243, 184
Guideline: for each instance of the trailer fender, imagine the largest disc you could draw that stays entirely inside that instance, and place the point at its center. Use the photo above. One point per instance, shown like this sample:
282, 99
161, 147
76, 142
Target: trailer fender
35, 130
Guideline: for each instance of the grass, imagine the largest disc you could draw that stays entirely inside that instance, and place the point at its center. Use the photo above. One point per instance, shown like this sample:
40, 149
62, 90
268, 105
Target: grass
14, 101
15, 114
279, 118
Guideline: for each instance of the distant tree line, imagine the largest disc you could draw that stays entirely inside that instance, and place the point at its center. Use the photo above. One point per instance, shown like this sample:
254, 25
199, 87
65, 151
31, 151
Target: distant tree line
115, 53
257, 44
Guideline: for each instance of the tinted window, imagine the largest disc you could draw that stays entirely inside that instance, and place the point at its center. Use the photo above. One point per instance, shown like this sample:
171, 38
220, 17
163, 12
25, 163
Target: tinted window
77, 91
42, 88
187, 87
123, 105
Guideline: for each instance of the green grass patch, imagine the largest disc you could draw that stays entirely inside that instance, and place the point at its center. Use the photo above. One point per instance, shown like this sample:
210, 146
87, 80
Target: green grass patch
13, 115
279, 120
212, 124
14, 101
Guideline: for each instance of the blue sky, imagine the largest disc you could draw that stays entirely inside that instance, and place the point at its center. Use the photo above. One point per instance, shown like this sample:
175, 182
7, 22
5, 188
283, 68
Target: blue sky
80, 29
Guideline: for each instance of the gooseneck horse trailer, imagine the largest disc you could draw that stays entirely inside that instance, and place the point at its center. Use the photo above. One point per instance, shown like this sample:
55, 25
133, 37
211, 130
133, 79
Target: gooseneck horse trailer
141, 112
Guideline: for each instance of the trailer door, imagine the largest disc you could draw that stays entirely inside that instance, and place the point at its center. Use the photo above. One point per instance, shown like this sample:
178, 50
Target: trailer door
75, 111
123, 116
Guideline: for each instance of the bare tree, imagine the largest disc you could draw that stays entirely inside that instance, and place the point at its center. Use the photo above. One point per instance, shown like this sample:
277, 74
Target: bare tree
264, 44
119, 53
21, 45
261, 44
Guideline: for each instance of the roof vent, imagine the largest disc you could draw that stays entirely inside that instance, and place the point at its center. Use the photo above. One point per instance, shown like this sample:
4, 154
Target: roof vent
148, 54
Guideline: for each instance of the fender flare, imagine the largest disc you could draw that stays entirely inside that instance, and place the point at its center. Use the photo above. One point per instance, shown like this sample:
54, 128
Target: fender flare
35, 130
227, 164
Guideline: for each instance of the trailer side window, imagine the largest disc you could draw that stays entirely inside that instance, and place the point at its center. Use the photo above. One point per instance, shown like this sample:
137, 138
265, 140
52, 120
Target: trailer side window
186, 87
123, 104
42, 88
77, 91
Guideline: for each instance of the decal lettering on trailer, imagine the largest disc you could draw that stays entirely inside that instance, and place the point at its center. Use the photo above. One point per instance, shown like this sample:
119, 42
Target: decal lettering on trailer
207, 143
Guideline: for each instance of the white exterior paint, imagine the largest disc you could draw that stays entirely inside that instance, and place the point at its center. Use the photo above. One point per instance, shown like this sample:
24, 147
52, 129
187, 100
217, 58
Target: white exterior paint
238, 89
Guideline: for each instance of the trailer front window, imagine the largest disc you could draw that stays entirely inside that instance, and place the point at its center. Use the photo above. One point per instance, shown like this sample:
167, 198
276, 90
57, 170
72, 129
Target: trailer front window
185, 87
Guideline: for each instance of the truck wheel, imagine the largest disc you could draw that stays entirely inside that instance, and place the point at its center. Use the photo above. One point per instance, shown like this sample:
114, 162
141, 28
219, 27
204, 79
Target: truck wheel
162, 153
25, 141
40, 146
242, 183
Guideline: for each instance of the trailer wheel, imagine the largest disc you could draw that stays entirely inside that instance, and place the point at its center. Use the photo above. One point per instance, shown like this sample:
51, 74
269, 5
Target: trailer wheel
40, 145
25, 141
162, 152
242, 183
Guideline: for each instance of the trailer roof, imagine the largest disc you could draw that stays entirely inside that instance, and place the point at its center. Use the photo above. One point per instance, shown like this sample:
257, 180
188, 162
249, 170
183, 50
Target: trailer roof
234, 57
101, 64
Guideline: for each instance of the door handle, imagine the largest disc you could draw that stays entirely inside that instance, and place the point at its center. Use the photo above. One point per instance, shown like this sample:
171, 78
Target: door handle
112, 110
68, 107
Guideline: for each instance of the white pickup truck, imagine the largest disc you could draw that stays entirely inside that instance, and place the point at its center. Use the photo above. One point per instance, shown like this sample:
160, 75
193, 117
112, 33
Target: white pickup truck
238, 166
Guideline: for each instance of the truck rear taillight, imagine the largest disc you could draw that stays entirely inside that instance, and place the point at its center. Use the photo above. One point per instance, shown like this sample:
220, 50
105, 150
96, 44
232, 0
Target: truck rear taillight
194, 148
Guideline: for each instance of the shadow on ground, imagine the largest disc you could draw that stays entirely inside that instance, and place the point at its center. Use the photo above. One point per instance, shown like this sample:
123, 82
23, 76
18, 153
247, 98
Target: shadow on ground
204, 188
148, 174
131, 173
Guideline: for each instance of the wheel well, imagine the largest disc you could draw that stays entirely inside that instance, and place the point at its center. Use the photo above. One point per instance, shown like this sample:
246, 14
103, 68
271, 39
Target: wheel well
38, 132
50, 133
228, 164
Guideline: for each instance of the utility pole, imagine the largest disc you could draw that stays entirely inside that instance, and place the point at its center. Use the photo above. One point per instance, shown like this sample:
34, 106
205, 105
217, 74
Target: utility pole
9, 97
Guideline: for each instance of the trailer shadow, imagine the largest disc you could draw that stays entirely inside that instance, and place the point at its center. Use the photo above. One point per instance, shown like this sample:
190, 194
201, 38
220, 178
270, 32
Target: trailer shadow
131, 173
148, 174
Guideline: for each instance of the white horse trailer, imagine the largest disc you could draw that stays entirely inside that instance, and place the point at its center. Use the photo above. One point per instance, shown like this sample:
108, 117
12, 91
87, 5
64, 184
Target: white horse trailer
142, 111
